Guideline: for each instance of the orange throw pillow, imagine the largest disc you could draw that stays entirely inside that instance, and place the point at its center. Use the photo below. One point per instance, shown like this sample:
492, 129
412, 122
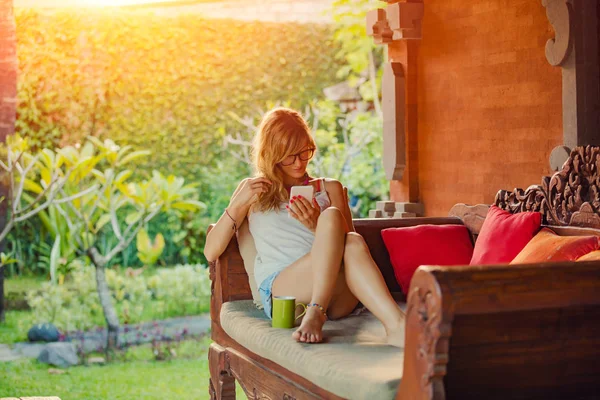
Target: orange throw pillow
548, 246
593, 256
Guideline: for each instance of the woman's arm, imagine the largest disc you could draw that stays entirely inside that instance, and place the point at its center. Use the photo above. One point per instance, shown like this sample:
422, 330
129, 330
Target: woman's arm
241, 200
218, 238
339, 198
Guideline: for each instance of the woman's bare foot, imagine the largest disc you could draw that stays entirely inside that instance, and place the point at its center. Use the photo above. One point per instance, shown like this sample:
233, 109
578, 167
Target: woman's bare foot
395, 334
311, 328
396, 338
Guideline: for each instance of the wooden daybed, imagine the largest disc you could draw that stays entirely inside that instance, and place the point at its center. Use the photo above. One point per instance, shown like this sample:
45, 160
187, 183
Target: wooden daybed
504, 331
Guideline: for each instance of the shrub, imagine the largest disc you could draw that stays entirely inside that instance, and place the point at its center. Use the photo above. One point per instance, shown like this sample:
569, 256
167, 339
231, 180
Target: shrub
164, 84
178, 291
69, 307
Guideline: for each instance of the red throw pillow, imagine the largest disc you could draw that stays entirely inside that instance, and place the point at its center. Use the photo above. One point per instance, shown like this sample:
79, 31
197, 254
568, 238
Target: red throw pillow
548, 246
503, 235
413, 246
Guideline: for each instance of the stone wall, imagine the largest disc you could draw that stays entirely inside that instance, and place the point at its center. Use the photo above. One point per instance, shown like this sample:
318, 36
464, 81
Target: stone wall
489, 104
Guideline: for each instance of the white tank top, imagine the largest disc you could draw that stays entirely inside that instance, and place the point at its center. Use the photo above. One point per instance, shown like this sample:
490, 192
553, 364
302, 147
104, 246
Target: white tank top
280, 239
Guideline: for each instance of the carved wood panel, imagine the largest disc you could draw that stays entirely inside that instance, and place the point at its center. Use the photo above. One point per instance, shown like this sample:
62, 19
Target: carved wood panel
428, 331
221, 385
253, 378
570, 197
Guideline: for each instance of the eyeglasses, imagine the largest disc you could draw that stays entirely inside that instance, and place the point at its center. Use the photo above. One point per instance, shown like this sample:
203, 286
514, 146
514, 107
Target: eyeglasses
304, 155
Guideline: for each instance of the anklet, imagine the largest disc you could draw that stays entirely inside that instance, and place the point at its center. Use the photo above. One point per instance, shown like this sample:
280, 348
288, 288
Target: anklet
320, 307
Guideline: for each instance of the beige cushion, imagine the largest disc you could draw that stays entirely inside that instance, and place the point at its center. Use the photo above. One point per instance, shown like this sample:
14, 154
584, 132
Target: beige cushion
353, 363
248, 253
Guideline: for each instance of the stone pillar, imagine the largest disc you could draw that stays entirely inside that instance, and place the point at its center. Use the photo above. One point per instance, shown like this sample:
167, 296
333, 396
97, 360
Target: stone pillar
8, 105
399, 27
575, 48
8, 69
392, 209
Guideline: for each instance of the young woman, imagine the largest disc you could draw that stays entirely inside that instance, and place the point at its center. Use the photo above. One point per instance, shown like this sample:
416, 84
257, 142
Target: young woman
306, 248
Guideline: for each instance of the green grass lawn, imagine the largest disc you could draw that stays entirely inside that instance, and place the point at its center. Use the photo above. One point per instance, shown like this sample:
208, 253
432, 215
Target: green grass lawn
136, 375
22, 284
14, 328
185, 377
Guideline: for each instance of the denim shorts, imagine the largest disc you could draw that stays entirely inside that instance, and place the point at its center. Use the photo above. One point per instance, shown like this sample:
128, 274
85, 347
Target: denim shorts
265, 293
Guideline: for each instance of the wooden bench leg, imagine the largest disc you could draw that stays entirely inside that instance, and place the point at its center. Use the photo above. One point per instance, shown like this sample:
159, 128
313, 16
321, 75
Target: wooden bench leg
222, 383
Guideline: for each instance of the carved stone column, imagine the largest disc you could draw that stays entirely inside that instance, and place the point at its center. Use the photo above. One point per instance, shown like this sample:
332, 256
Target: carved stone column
575, 49
8, 69
8, 105
399, 27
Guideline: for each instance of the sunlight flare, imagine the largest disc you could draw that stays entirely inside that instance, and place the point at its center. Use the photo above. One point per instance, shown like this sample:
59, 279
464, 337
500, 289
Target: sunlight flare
112, 3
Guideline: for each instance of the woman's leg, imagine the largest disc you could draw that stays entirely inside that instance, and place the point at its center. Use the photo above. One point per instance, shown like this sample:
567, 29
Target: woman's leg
366, 282
338, 286
313, 278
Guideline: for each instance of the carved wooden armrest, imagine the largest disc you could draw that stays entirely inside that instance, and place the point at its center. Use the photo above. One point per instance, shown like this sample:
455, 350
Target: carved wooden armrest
508, 300
229, 279
426, 340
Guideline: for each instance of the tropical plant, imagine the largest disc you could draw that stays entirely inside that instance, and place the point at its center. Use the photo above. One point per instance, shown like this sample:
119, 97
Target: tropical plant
149, 251
19, 175
23, 243
105, 167
47, 191
6, 259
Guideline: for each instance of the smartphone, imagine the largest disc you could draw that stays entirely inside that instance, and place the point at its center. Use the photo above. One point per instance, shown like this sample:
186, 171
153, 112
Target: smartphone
304, 191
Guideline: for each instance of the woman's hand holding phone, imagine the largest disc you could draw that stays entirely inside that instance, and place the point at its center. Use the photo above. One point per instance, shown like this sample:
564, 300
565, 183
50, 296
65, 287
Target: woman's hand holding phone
304, 210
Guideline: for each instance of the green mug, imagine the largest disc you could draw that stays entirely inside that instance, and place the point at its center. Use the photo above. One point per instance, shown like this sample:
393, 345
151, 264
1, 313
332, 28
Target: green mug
284, 310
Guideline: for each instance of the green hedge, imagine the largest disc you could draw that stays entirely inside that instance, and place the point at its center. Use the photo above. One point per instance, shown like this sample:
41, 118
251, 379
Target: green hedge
160, 83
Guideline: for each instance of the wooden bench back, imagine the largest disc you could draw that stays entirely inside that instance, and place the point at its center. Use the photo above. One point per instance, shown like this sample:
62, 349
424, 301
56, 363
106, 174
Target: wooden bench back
474, 216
